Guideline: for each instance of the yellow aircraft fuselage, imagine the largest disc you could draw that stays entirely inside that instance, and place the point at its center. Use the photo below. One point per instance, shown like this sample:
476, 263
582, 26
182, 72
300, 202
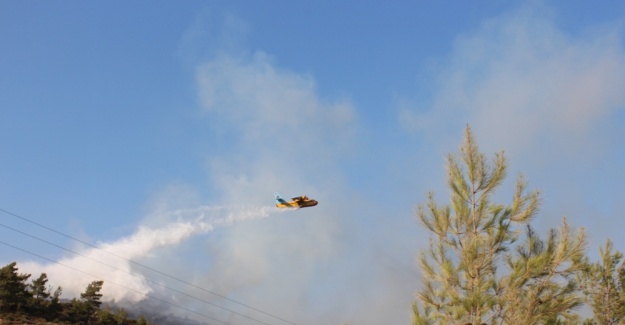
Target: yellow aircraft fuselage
297, 202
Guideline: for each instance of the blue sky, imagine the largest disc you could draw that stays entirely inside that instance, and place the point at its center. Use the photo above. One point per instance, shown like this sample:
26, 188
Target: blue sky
123, 120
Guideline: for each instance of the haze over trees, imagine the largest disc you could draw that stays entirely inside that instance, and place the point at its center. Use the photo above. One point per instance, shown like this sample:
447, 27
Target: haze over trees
475, 270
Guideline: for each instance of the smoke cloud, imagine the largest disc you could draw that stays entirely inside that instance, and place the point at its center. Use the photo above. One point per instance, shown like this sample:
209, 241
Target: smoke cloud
550, 98
113, 261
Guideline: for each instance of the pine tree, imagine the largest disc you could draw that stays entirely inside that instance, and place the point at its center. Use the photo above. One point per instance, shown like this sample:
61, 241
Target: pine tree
470, 238
89, 303
38, 293
13, 289
603, 283
38, 288
55, 307
92, 294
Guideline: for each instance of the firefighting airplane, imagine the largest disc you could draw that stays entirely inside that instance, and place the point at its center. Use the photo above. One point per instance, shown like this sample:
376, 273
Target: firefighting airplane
297, 202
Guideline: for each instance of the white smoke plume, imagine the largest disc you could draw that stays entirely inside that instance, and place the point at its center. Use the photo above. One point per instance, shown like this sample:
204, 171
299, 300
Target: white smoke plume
114, 262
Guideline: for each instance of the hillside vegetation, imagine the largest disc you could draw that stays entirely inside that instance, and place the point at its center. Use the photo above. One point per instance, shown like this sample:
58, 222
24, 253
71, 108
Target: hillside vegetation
31, 301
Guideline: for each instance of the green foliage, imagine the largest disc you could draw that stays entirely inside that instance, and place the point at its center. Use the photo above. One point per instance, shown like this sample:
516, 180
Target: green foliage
38, 289
77, 312
54, 306
603, 283
13, 289
472, 236
39, 295
20, 301
92, 294
88, 306
541, 287
111, 316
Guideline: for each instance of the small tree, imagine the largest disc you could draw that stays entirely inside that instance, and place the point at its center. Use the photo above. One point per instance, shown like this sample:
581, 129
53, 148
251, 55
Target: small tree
90, 302
39, 293
55, 307
92, 294
38, 288
603, 283
13, 290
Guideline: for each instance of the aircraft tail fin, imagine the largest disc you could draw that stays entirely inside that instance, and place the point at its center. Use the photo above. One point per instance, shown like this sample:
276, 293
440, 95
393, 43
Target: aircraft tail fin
278, 198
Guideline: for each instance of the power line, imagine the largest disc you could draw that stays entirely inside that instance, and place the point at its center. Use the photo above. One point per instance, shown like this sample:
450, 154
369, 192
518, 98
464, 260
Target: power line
117, 284
135, 275
146, 267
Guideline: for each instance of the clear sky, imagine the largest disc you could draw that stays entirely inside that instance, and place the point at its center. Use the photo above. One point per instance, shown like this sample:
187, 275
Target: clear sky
161, 130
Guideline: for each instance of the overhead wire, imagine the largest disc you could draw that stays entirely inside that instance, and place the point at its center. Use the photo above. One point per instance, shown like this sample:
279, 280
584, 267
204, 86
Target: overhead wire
132, 274
139, 264
117, 284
